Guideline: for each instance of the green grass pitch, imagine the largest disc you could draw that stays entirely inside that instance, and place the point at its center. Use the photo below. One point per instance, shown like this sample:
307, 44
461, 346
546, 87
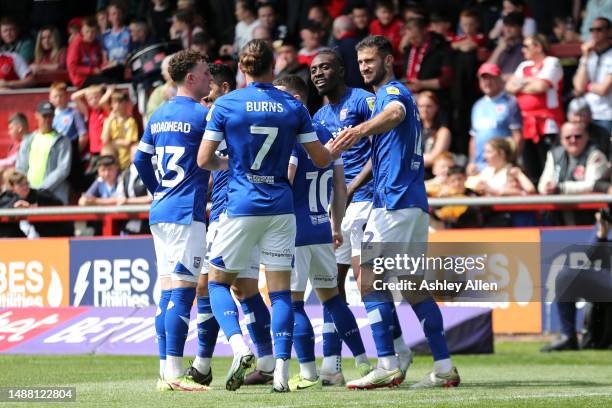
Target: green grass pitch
517, 375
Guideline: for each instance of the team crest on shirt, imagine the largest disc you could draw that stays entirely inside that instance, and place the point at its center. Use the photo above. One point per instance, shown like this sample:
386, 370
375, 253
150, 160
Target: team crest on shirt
197, 261
370, 102
209, 115
393, 90
343, 113
579, 173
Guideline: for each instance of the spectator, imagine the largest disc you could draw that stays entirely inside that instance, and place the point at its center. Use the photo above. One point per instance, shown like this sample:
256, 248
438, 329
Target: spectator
103, 24
116, 41
17, 130
139, 35
436, 136
427, 61
594, 75
103, 191
243, 32
496, 114
162, 92
311, 36
262, 33
49, 55
388, 25
414, 10
361, 19
441, 24
439, 169
45, 155
465, 65
563, 31
537, 84
12, 42
201, 42
573, 167
27, 197
84, 59
120, 129
131, 190
319, 15
159, 18
14, 71
67, 120
456, 216
183, 27
578, 111
266, 14
508, 52
73, 29
287, 63
528, 27
345, 40
594, 9
92, 103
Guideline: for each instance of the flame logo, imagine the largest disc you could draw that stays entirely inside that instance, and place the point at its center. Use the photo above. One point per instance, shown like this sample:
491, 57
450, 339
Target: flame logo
55, 293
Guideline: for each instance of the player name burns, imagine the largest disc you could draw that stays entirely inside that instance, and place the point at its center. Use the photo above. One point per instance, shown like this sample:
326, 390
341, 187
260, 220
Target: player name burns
437, 285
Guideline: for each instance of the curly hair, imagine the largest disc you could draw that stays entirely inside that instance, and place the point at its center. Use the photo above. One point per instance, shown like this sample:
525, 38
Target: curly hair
256, 58
183, 62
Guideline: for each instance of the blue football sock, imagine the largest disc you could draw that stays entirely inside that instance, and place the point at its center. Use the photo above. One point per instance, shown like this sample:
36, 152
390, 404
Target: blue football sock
430, 317
303, 334
208, 328
397, 327
257, 317
177, 320
160, 322
224, 308
380, 315
332, 343
345, 323
282, 323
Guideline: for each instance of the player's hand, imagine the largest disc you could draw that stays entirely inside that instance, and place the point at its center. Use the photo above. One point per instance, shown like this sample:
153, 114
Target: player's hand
334, 151
337, 238
347, 138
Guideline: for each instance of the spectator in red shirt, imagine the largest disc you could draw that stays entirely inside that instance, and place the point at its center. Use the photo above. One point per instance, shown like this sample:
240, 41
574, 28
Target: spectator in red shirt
388, 25
84, 58
17, 130
14, 71
537, 84
311, 36
93, 104
361, 19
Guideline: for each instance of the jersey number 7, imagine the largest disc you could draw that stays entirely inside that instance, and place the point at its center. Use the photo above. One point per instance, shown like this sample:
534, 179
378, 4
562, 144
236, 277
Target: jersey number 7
271, 133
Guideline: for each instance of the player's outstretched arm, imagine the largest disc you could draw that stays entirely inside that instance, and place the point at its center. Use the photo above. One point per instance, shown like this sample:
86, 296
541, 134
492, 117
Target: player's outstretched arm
207, 157
338, 203
144, 166
393, 114
320, 155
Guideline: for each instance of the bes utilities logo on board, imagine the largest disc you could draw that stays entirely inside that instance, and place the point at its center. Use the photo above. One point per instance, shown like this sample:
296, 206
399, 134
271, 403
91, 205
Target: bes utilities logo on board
34, 273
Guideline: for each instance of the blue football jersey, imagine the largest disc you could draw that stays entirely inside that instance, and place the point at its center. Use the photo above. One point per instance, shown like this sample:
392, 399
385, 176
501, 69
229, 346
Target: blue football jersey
260, 125
397, 155
173, 135
312, 189
218, 195
354, 108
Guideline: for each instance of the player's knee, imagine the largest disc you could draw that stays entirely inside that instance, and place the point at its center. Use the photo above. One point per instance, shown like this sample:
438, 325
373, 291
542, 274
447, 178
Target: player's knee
324, 294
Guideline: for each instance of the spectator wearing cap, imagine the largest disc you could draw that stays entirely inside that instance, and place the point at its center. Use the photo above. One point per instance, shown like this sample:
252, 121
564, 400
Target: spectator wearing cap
312, 37
45, 156
537, 84
578, 111
573, 167
508, 52
13, 42
345, 40
594, 75
496, 114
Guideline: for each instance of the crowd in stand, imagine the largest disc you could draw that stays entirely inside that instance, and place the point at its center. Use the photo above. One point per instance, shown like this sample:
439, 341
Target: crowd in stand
501, 114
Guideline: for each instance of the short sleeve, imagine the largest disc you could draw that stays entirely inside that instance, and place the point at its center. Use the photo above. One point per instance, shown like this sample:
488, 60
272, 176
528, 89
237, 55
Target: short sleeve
215, 123
21, 66
365, 107
79, 122
519, 72
305, 131
551, 71
294, 156
94, 189
147, 145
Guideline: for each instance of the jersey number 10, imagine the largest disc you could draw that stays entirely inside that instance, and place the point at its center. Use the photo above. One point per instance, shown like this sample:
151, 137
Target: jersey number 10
321, 183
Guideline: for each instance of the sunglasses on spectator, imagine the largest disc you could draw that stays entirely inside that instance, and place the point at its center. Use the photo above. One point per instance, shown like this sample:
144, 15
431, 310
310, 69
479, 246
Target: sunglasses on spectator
597, 29
576, 137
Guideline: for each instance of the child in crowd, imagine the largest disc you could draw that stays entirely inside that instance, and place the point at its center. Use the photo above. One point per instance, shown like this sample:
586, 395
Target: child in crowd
441, 164
471, 39
120, 129
104, 189
456, 216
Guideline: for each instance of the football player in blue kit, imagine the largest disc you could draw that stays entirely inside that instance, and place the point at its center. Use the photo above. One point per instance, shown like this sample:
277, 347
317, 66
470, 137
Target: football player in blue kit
245, 287
399, 214
314, 190
260, 125
348, 107
178, 211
